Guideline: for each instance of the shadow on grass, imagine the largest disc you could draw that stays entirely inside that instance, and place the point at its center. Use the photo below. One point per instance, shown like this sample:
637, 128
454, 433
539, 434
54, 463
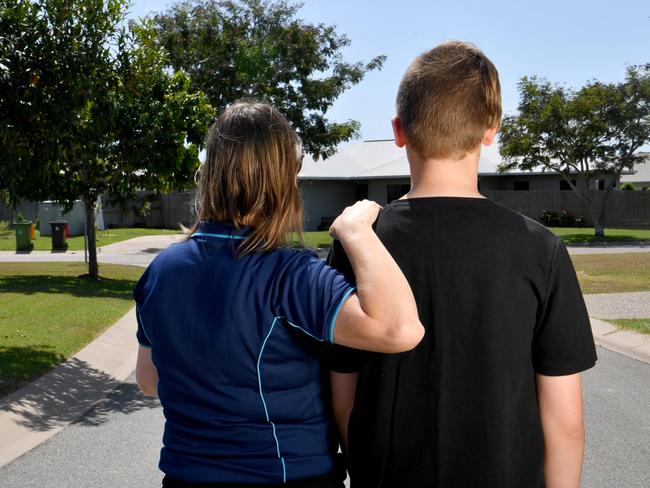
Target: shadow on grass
72, 285
69, 393
19, 365
591, 240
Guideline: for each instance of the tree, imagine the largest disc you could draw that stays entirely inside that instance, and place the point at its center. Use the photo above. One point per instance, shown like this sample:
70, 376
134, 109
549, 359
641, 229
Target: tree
586, 135
97, 113
254, 48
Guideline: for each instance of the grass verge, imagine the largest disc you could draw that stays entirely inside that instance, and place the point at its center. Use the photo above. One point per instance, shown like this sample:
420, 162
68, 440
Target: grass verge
47, 314
104, 237
637, 325
570, 235
613, 273
585, 235
315, 239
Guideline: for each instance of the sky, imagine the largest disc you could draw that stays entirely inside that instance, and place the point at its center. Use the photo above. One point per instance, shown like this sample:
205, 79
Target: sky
568, 42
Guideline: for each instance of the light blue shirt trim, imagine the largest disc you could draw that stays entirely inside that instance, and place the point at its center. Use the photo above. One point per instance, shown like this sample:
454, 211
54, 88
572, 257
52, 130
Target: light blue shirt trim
338, 309
220, 236
137, 312
266, 411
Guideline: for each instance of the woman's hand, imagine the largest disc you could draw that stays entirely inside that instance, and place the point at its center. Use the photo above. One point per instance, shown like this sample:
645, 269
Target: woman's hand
358, 217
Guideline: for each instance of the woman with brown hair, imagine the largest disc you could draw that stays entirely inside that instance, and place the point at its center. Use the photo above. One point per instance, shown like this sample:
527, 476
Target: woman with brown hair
230, 320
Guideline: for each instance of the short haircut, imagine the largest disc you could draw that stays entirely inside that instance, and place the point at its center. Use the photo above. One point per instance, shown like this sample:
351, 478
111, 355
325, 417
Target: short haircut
250, 172
447, 99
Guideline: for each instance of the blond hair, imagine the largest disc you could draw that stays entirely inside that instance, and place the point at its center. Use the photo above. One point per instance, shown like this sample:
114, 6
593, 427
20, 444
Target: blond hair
250, 176
447, 99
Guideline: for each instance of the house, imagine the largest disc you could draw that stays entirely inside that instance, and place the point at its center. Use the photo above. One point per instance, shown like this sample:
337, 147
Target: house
378, 170
640, 176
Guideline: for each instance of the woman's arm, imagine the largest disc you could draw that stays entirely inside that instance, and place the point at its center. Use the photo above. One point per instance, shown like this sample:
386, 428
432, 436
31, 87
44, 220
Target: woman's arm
560, 407
146, 374
344, 387
382, 315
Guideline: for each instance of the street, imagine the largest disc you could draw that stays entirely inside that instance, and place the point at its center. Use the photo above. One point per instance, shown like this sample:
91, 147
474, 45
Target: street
117, 443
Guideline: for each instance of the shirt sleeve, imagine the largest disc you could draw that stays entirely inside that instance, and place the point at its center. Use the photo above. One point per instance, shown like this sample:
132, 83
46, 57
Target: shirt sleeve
563, 343
139, 293
310, 295
337, 358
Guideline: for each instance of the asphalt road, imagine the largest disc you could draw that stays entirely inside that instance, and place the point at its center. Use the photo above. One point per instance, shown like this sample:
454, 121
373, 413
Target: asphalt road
116, 444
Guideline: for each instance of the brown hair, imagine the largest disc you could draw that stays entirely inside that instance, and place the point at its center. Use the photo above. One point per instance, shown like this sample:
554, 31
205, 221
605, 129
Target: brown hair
447, 99
250, 175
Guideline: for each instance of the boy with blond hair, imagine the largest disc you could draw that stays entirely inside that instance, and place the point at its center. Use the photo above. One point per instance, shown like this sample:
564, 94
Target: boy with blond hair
491, 397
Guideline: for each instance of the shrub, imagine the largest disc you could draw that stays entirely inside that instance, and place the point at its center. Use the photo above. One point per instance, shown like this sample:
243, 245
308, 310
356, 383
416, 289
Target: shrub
549, 218
565, 218
5, 229
627, 187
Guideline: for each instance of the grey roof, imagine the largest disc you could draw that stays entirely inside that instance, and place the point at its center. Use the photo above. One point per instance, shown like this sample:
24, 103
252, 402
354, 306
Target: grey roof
378, 159
382, 159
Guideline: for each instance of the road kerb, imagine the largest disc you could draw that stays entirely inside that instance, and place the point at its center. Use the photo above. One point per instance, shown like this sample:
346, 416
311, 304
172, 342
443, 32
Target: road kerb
627, 342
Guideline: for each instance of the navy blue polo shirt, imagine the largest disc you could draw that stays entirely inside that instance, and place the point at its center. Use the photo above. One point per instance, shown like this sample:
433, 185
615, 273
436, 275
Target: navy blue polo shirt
234, 341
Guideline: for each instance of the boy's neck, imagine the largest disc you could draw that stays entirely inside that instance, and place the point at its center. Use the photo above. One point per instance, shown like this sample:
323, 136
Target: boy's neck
443, 177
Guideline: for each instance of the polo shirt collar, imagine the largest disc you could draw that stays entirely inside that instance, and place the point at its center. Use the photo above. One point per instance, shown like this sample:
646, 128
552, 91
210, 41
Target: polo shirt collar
223, 229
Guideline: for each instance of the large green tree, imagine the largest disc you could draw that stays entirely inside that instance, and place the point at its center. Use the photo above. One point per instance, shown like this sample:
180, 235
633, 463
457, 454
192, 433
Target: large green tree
588, 135
254, 48
89, 108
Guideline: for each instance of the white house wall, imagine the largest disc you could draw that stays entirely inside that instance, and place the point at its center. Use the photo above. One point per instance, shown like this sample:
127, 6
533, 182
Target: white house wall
325, 198
378, 189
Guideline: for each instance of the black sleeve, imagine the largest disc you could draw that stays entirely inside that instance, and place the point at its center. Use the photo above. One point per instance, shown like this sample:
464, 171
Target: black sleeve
341, 359
338, 260
563, 343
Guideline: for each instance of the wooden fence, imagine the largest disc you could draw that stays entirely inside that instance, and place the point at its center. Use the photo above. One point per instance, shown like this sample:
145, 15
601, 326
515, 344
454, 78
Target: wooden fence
625, 209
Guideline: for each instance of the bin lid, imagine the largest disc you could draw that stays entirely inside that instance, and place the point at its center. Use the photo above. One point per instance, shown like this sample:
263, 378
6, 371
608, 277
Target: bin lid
58, 221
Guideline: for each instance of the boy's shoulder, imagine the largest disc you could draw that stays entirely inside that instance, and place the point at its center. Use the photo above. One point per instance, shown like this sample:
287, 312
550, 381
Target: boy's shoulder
481, 218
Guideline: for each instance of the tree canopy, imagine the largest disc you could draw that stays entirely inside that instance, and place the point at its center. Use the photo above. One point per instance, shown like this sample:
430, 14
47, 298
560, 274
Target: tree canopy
254, 48
88, 108
588, 134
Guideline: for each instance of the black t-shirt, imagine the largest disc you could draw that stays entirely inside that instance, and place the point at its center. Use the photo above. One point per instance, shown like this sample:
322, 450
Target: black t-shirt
500, 301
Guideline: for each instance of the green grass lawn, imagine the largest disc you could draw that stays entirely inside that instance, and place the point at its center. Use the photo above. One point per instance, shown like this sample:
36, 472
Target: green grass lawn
637, 325
104, 237
47, 314
316, 239
585, 235
570, 235
613, 273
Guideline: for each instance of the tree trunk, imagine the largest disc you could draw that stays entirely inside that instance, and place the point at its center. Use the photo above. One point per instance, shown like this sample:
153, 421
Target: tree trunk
93, 268
599, 225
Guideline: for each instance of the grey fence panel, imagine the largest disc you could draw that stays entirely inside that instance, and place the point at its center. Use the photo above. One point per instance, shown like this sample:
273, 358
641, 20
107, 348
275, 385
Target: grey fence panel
626, 209
28, 209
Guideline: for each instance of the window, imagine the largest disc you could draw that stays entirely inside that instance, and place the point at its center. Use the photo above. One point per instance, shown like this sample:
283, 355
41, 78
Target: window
564, 184
521, 185
602, 183
394, 192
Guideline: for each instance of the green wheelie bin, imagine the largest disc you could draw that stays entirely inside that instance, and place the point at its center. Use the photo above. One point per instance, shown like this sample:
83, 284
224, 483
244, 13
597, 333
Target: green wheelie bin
23, 235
